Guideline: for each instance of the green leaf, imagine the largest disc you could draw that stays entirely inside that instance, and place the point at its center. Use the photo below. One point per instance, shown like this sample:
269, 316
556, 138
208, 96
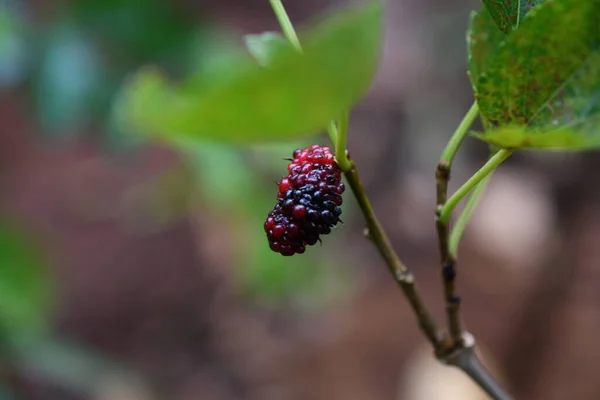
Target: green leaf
547, 77
264, 46
24, 289
508, 14
483, 40
296, 96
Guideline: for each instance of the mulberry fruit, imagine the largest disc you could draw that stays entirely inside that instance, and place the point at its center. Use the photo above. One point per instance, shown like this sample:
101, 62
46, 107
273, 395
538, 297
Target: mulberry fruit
309, 201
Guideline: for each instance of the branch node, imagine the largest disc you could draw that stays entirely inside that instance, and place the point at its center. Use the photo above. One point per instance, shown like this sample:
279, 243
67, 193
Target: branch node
405, 277
438, 211
449, 271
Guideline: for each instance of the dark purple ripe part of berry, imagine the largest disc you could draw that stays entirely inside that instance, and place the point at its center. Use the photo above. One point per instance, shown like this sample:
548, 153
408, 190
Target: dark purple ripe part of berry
308, 188
304, 202
293, 231
328, 217
286, 250
325, 230
297, 195
329, 205
288, 206
330, 179
312, 215
299, 248
312, 179
311, 239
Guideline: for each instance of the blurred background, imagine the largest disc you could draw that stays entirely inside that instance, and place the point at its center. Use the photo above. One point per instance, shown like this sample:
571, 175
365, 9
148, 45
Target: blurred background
129, 272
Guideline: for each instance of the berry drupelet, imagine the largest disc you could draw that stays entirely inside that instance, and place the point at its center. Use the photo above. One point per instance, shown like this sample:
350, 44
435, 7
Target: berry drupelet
309, 201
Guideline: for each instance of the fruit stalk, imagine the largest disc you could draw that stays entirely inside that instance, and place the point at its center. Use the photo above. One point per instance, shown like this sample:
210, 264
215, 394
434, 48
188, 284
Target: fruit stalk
399, 271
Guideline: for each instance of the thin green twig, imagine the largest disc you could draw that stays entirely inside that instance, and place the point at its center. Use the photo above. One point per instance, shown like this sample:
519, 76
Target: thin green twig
285, 23
340, 144
460, 134
332, 131
446, 211
462, 220
337, 134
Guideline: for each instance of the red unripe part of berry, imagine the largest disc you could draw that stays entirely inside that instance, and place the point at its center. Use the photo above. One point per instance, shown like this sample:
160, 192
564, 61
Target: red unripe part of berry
299, 212
278, 231
284, 185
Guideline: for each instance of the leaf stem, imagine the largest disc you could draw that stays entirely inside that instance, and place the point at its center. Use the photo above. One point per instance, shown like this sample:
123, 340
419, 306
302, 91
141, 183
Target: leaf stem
336, 135
285, 23
448, 261
340, 144
460, 134
446, 212
463, 218
399, 271
332, 131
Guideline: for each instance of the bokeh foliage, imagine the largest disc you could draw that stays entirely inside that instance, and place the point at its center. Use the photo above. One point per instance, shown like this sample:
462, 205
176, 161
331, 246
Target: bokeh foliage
296, 95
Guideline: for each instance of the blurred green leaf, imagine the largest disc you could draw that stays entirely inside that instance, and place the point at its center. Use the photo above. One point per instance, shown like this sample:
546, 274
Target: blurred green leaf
229, 179
84, 371
220, 169
483, 40
264, 46
14, 54
547, 77
137, 30
69, 73
6, 393
272, 278
24, 287
296, 96
508, 14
